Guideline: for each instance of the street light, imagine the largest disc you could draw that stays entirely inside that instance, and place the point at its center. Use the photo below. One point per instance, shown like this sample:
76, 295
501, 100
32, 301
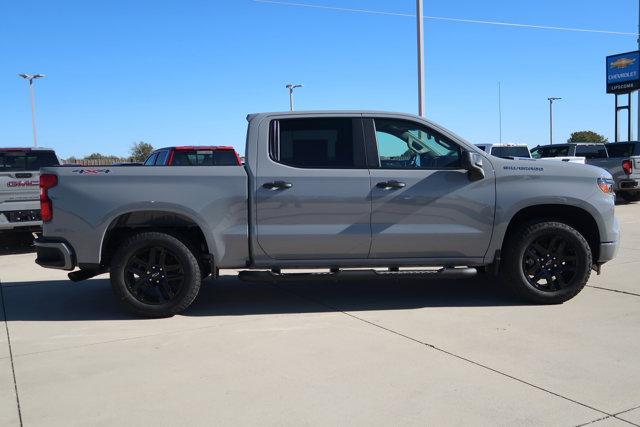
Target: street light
551, 118
420, 34
31, 78
291, 87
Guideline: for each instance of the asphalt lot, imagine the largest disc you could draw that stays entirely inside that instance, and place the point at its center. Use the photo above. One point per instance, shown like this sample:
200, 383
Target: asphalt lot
406, 352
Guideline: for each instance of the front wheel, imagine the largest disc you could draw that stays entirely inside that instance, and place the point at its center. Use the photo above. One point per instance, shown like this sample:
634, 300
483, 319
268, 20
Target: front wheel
630, 196
546, 262
155, 275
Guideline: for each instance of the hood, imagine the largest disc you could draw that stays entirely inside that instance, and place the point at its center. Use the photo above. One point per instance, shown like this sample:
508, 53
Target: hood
545, 166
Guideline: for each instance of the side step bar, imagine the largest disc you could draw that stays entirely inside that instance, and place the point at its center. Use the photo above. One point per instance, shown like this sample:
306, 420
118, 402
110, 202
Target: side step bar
272, 277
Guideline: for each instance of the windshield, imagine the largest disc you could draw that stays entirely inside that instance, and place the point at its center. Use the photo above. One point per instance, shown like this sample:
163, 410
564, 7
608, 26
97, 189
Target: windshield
541, 152
510, 152
19, 161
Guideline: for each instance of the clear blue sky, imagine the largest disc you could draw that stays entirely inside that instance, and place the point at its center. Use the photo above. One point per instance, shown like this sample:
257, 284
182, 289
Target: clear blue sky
188, 72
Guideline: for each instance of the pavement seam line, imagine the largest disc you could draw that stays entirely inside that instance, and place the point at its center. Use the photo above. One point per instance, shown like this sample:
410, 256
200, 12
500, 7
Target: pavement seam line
626, 410
595, 421
13, 369
433, 347
613, 290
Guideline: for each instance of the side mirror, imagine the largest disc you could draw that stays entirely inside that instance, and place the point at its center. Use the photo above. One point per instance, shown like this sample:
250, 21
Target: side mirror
473, 164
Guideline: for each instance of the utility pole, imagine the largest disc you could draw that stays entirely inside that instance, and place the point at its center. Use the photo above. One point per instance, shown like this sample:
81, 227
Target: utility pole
421, 84
638, 103
500, 112
291, 87
551, 118
31, 78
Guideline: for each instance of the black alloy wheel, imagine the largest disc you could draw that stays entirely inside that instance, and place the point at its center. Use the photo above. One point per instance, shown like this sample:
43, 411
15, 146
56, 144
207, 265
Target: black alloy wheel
549, 262
154, 275
545, 262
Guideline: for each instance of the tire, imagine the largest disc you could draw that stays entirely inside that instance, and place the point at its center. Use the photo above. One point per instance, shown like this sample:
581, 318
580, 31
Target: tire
155, 275
630, 196
549, 252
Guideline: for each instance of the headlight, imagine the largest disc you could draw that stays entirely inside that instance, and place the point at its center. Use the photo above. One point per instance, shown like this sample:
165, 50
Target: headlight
606, 185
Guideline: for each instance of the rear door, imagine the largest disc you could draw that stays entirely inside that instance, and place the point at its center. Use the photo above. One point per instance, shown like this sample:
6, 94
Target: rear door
19, 173
423, 203
313, 190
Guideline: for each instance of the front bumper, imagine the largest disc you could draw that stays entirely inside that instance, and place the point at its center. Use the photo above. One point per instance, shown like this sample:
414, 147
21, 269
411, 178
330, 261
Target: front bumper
608, 251
54, 254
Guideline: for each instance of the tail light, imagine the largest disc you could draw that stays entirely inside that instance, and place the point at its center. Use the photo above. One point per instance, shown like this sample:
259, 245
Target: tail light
627, 166
47, 181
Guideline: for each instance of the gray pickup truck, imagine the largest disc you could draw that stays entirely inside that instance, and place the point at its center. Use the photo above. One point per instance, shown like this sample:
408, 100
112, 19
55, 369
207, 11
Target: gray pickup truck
623, 162
19, 192
333, 190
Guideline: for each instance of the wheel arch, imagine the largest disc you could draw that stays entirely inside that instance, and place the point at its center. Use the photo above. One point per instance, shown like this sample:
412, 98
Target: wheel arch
178, 224
577, 217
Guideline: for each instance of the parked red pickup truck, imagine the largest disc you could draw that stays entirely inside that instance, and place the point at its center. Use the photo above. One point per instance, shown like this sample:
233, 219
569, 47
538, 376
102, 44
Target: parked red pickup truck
219, 155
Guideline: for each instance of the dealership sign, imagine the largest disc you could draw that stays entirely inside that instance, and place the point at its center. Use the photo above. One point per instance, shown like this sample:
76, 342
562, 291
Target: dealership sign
623, 72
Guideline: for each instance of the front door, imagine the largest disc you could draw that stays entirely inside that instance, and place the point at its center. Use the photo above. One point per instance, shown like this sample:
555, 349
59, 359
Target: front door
313, 190
423, 203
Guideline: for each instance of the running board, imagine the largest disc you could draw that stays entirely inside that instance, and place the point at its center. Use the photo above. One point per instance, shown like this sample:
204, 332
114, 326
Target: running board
271, 277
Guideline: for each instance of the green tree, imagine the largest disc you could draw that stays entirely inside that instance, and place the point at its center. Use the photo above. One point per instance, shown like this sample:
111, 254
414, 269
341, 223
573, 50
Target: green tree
140, 151
587, 136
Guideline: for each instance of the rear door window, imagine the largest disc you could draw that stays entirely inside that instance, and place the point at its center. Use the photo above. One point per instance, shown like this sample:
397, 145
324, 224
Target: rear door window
591, 151
332, 143
17, 161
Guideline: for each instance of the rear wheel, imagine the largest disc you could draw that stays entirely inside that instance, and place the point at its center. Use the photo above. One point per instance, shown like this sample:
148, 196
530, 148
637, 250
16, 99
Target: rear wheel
630, 196
155, 275
546, 262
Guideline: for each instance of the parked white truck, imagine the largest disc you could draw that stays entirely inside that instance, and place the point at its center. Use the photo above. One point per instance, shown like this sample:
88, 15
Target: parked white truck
19, 192
333, 190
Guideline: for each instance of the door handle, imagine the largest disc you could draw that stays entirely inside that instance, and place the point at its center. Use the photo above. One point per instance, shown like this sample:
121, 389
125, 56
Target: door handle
388, 185
277, 185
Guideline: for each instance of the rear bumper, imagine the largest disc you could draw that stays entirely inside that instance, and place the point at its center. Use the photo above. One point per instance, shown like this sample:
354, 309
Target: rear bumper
54, 254
628, 185
608, 251
20, 215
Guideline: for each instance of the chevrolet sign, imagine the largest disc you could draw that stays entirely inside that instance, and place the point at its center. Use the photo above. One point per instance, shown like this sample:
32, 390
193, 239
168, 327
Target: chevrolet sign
623, 72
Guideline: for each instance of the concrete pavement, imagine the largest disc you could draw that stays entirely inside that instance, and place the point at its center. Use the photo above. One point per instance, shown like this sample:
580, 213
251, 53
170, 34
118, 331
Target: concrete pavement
363, 353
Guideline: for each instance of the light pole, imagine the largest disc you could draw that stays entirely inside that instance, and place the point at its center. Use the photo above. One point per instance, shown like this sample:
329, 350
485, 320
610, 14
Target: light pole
31, 78
551, 118
291, 87
421, 88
